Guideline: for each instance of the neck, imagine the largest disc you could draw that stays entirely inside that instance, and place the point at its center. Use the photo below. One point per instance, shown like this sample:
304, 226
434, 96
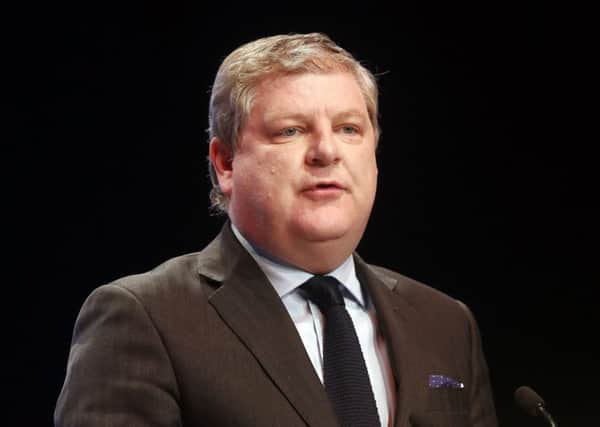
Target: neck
313, 257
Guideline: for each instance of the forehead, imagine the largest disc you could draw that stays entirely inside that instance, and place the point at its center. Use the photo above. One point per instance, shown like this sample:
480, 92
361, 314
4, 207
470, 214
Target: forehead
307, 92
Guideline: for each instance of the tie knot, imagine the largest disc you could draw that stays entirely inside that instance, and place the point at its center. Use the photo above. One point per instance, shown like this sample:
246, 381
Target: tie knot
324, 292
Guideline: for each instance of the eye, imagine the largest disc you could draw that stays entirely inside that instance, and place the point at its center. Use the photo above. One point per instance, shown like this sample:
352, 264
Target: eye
349, 130
288, 132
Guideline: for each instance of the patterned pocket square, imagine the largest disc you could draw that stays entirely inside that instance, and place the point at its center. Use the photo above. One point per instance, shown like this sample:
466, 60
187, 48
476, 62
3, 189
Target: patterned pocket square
442, 381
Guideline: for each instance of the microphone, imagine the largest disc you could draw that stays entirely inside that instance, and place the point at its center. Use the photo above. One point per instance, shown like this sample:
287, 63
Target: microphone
532, 403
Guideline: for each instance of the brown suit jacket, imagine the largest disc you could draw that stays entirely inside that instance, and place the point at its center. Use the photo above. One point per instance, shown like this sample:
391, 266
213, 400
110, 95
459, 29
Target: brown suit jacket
204, 340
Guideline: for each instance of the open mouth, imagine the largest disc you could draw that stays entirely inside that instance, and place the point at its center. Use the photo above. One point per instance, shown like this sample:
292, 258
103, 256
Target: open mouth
324, 190
326, 186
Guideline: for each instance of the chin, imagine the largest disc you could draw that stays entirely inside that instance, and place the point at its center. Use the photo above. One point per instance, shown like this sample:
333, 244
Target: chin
318, 235
323, 224
326, 229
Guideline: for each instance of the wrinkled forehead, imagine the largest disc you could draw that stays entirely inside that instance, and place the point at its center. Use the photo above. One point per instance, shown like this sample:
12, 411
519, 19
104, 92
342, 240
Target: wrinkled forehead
283, 84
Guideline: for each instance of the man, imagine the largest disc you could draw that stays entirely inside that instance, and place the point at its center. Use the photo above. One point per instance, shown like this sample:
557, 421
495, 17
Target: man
234, 335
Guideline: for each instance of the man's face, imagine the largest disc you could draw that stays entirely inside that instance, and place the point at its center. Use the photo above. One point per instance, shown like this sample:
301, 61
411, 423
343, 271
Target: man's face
304, 174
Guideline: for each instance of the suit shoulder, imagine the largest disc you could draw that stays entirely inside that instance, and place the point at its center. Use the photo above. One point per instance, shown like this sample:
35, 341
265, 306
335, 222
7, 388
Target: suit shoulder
434, 308
175, 277
416, 293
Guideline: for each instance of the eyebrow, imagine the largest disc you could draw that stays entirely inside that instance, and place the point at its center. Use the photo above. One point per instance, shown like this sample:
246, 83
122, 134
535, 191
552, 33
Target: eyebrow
301, 116
350, 114
270, 117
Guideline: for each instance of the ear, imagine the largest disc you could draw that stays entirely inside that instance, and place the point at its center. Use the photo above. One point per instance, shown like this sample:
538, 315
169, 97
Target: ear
221, 158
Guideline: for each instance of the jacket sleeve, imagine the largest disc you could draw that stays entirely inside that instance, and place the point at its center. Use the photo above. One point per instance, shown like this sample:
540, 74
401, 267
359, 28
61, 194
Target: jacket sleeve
482, 412
119, 372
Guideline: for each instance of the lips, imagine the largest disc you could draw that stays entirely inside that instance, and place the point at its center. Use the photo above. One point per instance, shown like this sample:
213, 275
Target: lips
324, 189
320, 185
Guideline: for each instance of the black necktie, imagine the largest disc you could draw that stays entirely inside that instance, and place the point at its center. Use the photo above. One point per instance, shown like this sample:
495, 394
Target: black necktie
344, 371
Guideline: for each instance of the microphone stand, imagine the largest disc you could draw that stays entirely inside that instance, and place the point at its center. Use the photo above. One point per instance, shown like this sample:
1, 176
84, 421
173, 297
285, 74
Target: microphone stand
542, 410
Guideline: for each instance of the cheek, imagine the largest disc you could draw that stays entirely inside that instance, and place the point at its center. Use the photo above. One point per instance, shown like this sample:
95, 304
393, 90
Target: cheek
365, 170
365, 175
278, 167
259, 177
268, 169
375, 170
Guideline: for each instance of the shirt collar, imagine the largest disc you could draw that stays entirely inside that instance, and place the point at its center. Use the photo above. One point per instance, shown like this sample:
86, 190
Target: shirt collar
285, 278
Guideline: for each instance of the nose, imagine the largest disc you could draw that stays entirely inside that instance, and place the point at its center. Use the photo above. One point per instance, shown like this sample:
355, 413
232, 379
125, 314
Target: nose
323, 149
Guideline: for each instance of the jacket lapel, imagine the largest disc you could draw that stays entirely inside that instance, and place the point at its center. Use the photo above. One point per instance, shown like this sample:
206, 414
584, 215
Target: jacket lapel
395, 317
252, 309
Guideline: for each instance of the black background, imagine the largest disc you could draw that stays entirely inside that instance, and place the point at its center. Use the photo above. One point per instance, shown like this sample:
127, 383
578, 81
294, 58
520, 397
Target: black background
487, 184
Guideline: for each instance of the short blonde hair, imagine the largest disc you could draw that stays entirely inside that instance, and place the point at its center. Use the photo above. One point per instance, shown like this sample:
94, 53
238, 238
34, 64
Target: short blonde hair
246, 67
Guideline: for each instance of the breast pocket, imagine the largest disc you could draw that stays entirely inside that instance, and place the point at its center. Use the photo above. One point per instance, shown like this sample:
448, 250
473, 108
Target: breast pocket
444, 407
446, 400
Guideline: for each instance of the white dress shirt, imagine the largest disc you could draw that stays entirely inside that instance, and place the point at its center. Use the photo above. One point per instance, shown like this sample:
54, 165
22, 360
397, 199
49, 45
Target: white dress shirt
309, 321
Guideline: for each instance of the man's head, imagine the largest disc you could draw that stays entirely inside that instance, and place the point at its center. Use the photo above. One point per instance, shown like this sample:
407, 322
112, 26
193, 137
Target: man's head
234, 86
293, 128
